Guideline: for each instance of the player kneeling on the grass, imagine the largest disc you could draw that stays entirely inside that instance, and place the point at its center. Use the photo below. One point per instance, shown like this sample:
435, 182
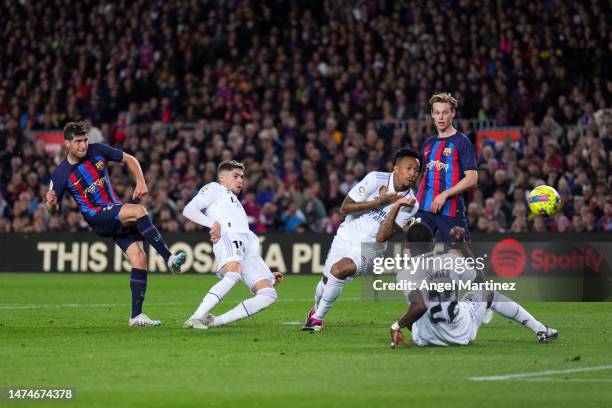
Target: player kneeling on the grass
368, 203
236, 249
84, 175
439, 318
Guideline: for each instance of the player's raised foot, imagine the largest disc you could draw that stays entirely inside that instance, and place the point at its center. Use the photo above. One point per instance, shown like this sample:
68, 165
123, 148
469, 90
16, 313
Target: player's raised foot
312, 324
194, 323
176, 261
548, 335
142, 320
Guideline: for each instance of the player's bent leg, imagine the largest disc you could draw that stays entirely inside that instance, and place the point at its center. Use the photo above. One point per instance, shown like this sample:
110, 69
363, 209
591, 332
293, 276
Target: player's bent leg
131, 214
230, 275
265, 296
138, 285
319, 291
339, 271
512, 310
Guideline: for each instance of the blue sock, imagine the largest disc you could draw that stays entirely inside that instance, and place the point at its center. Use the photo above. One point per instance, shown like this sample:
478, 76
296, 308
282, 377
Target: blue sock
153, 237
138, 284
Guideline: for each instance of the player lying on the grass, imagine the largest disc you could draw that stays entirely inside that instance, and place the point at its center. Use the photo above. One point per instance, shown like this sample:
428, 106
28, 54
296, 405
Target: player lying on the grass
366, 206
236, 249
439, 318
83, 174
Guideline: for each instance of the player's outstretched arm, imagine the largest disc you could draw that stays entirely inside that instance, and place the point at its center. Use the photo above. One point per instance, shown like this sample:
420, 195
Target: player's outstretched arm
133, 166
390, 227
416, 309
193, 212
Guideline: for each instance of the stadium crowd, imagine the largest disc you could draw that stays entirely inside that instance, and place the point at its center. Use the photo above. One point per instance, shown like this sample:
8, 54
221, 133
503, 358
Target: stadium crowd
311, 96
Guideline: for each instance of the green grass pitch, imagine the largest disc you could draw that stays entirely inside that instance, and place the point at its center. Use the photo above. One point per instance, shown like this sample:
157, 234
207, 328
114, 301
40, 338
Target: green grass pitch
71, 331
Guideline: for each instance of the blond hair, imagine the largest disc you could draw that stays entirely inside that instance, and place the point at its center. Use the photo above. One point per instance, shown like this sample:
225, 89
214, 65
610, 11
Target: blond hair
443, 97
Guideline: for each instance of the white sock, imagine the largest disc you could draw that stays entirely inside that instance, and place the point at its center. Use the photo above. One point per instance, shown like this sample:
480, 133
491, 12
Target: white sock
216, 293
512, 310
319, 292
264, 298
331, 292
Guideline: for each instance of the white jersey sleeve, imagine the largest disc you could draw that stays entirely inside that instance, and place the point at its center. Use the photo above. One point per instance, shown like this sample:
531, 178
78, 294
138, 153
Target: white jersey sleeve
366, 187
405, 213
204, 199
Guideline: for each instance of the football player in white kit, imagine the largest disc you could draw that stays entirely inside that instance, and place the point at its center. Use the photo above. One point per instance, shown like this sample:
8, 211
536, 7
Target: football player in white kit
439, 318
236, 249
366, 206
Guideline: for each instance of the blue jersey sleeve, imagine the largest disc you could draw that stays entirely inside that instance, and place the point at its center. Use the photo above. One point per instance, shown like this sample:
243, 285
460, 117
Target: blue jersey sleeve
59, 178
109, 153
467, 156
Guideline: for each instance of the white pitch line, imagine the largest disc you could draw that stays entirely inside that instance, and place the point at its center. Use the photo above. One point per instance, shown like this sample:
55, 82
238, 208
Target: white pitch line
586, 380
540, 373
15, 306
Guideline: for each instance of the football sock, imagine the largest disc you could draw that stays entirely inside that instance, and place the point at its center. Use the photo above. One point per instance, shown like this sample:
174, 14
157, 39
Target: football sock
512, 310
151, 234
138, 284
216, 293
264, 298
331, 291
319, 293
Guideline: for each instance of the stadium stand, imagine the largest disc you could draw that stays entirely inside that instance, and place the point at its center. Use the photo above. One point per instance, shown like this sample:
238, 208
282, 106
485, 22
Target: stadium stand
311, 96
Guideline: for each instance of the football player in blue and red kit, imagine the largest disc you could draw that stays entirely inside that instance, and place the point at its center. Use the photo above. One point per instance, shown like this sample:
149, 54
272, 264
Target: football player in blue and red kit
449, 170
84, 175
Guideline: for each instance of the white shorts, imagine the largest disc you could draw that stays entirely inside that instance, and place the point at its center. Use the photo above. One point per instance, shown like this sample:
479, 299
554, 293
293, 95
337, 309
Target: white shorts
476, 307
342, 249
242, 247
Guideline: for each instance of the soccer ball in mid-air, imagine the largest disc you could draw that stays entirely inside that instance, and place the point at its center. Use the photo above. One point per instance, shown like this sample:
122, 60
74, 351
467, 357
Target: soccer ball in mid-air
544, 200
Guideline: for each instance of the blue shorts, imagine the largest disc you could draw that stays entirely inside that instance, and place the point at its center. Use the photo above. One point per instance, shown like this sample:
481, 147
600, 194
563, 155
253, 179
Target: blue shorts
443, 224
106, 223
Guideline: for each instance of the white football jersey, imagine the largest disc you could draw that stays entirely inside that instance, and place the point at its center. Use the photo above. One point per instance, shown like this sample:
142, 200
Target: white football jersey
447, 320
222, 206
362, 227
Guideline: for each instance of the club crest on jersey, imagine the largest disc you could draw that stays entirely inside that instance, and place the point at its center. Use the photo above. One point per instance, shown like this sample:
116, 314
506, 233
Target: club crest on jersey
204, 190
447, 151
361, 190
99, 165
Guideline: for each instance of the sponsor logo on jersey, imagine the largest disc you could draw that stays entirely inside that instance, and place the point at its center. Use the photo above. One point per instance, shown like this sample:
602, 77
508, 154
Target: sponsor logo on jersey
447, 151
76, 183
98, 183
437, 164
100, 165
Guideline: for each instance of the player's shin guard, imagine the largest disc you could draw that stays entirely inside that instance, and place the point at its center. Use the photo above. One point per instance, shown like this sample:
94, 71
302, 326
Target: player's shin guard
512, 310
264, 298
138, 285
151, 234
331, 292
319, 292
216, 293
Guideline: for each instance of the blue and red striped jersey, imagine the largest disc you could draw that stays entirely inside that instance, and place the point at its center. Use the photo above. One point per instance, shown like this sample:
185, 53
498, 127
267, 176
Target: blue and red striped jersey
445, 160
87, 181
